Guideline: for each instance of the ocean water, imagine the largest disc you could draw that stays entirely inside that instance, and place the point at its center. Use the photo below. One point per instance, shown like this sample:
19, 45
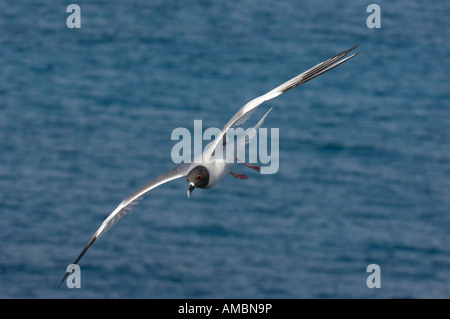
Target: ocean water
86, 117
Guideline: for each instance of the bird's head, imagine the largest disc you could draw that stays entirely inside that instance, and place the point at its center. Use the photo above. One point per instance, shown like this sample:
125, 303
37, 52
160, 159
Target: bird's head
197, 177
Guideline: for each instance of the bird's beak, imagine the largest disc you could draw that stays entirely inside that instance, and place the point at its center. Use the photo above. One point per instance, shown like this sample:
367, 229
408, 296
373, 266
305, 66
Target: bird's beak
191, 188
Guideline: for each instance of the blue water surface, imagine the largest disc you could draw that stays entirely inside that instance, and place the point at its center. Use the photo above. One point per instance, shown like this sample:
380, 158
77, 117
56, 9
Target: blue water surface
87, 116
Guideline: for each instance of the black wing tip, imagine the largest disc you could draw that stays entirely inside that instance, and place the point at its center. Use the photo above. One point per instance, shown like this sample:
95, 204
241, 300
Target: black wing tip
343, 53
351, 49
64, 279
353, 55
65, 276
325, 66
78, 259
346, 52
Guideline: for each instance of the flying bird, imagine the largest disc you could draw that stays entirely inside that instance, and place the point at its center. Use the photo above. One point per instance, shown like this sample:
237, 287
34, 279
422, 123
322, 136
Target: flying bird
206, 170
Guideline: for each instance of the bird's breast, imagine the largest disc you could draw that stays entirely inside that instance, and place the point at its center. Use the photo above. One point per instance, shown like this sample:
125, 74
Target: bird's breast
217, 170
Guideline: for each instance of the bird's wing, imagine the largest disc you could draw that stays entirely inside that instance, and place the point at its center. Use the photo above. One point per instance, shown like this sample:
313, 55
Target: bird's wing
250, 134
247, 110
128, 203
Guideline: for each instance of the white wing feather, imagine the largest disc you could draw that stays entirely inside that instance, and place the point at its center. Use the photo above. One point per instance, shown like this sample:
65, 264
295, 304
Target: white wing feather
128, 203
247, 110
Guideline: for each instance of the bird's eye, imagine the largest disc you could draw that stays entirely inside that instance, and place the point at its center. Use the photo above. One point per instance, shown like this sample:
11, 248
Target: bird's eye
199, 177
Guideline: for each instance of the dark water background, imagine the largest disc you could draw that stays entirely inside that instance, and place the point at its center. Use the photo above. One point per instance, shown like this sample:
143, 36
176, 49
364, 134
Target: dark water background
86, 117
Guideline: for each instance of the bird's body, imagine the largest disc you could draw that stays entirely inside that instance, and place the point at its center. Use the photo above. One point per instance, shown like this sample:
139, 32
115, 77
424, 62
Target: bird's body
218, 169
209, 168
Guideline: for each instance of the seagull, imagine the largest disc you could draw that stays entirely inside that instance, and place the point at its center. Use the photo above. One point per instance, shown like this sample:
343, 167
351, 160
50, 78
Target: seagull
206, 170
